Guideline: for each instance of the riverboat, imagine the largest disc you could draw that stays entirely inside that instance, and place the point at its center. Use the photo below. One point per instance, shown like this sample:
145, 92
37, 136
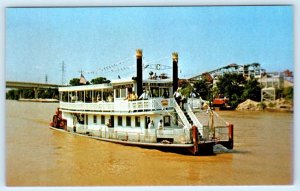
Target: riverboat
140, 112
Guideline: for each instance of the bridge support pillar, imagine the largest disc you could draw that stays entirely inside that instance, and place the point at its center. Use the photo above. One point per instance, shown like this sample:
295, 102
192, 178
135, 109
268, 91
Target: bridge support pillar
21, 94
35, 93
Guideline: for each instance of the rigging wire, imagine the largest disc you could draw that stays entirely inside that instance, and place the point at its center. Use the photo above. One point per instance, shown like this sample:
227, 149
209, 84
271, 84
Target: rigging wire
151, 61
118, 66
122, 68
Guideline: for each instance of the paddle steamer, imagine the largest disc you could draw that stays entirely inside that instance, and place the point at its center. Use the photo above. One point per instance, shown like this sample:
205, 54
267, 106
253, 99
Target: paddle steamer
140, 112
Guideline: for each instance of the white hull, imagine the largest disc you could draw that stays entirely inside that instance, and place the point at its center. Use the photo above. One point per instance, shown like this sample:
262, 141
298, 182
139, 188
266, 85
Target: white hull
127, 142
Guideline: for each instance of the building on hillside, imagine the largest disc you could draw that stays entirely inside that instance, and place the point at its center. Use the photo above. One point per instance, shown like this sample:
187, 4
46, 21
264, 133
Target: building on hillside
270, 81
247, 70
273, 81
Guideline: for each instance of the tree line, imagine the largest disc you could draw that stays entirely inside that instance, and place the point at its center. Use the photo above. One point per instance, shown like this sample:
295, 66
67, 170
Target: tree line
50, 93
234, 86
98, 80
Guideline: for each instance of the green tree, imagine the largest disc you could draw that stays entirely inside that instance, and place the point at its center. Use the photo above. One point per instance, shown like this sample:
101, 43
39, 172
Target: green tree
186, 90
183, 83
75, 82
100, 80
252, 90
28, 93
288, 93
202, 88
232, 86
48, 93
12, 94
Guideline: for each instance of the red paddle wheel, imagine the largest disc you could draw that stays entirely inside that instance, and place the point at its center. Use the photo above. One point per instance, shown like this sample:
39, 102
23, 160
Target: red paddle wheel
58, 121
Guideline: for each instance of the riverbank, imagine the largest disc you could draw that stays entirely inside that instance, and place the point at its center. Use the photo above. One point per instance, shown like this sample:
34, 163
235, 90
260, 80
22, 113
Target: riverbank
279, 105
39, 100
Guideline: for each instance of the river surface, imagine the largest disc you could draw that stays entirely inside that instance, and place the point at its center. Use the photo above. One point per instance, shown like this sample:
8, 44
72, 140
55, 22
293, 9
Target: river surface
39, 156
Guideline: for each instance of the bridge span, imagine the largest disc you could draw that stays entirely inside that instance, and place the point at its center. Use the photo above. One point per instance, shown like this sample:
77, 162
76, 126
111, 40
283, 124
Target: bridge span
31, 85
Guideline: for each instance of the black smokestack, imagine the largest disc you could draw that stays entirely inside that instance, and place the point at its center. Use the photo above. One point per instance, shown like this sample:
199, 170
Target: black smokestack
175, 71
139, 71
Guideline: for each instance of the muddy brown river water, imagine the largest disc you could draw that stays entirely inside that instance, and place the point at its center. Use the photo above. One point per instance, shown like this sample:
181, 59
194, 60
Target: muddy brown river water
39, 156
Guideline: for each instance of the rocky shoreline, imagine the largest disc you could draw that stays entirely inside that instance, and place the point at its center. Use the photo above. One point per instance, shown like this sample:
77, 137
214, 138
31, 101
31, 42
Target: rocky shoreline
277, 105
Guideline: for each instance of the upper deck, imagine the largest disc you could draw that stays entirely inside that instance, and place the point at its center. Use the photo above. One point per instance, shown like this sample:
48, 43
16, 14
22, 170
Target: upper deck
124, 95
116, 97
120, 106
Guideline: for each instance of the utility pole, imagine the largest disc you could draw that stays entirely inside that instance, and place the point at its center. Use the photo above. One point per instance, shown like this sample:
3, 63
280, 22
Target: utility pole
63, 67
46, 79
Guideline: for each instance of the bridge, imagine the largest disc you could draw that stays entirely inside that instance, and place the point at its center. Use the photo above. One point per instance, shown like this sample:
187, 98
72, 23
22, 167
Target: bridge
31, 85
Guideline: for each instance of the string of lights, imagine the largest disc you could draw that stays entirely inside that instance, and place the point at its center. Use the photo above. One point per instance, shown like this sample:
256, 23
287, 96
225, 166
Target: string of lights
123, 68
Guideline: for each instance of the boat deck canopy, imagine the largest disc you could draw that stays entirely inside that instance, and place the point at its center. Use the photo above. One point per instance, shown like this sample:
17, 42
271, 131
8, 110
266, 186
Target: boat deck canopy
85, 87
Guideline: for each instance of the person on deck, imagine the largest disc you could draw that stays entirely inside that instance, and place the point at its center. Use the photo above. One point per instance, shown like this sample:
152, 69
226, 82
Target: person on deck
109, 124
98, 98
144, 95
160, 125
148, 122
177, 96
110, 98
134, 96
151, 125
129, 96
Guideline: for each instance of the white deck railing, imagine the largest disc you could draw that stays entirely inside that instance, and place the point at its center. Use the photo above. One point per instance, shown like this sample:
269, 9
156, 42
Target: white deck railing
193, 116
120, 105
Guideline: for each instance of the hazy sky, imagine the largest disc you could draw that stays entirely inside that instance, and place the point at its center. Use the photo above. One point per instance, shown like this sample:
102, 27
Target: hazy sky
102, 41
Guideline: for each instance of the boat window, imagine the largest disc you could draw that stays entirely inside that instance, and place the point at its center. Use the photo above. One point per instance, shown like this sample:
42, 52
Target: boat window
81, 119
95, 119
128, 121
86, 119
137, 121
80, 96
73, 97
88, 96
119, 120
108, 96
167, 121
64, 96
155, 92
165, 92
96, 96
102, 119
123, 93
117, 93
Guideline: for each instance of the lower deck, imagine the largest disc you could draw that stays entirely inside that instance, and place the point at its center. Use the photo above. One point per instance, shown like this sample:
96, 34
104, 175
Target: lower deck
148, 141
135, 127
140, 135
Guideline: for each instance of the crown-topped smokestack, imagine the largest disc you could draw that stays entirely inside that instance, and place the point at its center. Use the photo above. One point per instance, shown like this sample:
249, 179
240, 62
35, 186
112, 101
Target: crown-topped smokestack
139, 71
175, 70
